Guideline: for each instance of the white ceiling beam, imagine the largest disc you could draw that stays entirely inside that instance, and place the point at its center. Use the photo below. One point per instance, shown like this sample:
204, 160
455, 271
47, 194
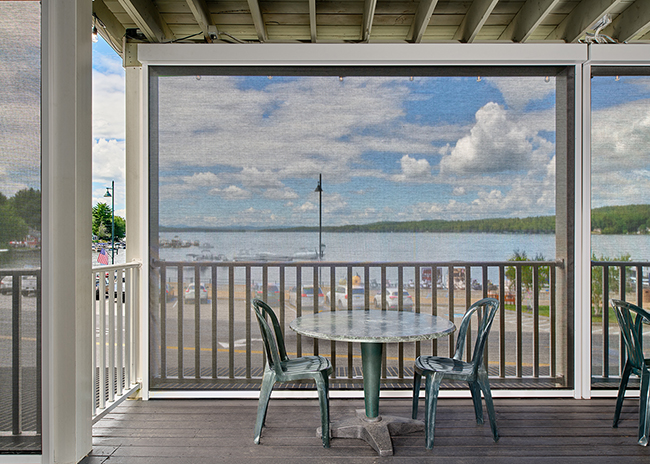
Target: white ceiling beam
312, 20
474, 20
146, 16
201, 13
421, 20
581, 18
109, 27
258, 20
632, 22
527, 19
368, 15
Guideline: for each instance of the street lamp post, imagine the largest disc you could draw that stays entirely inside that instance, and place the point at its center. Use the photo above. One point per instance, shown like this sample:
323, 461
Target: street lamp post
319, 189
111, 194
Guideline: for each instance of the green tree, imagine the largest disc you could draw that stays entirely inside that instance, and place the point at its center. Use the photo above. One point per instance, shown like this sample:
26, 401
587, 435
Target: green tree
527, 271
597, 281
27, 204
12, 226
102, 215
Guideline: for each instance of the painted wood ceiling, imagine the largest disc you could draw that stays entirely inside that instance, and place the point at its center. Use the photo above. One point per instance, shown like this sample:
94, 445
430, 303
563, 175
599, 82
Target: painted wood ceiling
354, 21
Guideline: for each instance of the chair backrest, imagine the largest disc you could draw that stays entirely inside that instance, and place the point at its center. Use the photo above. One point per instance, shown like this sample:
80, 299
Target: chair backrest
490, 306
631, 330
273, 339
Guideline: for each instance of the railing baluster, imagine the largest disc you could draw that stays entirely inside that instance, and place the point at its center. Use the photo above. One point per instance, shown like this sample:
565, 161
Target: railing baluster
434, 303
231, 322
332, 302
215, 293
450, 299
468, 303
16, 371
128, 327
119, 336
111, 336
298, 307
502, 321
400, 307
536, 321
179, 323
317, 292
621, 342
247, 312
519, 349
197, 322
163, 320
605, 322
553, 317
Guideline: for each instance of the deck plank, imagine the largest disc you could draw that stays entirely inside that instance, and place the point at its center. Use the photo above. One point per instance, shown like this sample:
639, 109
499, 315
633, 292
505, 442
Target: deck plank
209, 431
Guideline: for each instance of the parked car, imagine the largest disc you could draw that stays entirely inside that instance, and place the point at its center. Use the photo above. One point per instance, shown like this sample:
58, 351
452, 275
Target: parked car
27, 285
116, 291
190, 294
272, 295
307, 296
392, 299
341, 297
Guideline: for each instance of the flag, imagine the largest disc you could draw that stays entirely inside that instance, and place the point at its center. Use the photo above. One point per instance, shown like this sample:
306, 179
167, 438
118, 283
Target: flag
103, 257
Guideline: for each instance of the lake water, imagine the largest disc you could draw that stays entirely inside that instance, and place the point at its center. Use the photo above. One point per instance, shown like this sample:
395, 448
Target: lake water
376, 247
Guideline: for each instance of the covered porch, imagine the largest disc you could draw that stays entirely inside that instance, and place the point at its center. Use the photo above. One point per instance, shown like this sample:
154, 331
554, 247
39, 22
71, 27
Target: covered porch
548, 408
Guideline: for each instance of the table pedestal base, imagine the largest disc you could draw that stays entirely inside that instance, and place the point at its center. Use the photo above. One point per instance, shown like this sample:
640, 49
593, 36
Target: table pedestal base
376, 432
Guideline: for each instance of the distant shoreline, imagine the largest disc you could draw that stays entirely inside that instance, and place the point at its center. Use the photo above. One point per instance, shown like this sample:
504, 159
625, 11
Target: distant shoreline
608, 220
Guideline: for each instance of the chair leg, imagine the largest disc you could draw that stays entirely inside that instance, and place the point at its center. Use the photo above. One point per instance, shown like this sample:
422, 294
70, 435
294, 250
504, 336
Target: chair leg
322, 385
489, 405
476, 398
625, 376
644, 410
431, 402
417, 378
265, 394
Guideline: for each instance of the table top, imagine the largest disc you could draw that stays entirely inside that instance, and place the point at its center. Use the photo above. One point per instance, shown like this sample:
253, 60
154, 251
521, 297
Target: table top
372, 326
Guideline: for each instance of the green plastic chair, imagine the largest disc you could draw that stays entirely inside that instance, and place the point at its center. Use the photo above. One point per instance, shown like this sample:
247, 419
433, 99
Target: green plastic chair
279, 368
436, 368
632, 333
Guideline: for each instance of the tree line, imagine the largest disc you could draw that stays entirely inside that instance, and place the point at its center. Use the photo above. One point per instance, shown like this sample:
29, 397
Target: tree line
19, 214
629, 219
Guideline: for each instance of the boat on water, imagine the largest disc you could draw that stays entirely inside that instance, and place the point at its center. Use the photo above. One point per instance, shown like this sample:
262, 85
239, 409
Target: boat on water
207, 256
302, 255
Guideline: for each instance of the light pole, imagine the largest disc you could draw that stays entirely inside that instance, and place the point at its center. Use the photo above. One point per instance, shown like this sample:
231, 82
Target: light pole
319, 189
111, 194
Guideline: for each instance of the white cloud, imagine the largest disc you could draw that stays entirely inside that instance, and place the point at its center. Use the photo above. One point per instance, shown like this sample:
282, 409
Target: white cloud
232, 192
413, 170
459, 191
108, 161
495, 144
620, 164
305, 207
202, 180
108, 106
519, 91
281, 194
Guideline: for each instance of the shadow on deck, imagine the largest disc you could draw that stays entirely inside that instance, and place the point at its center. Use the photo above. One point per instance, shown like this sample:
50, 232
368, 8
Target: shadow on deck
216, 431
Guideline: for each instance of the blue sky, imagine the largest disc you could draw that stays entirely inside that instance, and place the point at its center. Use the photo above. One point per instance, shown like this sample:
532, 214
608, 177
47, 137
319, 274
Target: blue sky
247, 151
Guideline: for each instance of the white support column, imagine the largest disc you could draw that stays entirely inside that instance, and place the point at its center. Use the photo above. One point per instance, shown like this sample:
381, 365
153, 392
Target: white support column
136, 200
67, 203
583, 235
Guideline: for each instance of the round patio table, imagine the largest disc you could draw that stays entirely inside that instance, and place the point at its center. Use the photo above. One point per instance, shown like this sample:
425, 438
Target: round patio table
373, 328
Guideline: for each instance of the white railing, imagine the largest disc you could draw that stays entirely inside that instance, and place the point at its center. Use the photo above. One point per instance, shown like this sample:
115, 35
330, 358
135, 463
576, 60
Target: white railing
115, 309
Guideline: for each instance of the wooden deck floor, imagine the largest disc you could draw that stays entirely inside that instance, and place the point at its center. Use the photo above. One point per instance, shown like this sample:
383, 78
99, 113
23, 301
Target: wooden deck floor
221, 431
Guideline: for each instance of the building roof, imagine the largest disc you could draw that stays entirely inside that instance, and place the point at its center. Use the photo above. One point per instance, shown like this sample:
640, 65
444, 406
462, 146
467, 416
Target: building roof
378, 21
